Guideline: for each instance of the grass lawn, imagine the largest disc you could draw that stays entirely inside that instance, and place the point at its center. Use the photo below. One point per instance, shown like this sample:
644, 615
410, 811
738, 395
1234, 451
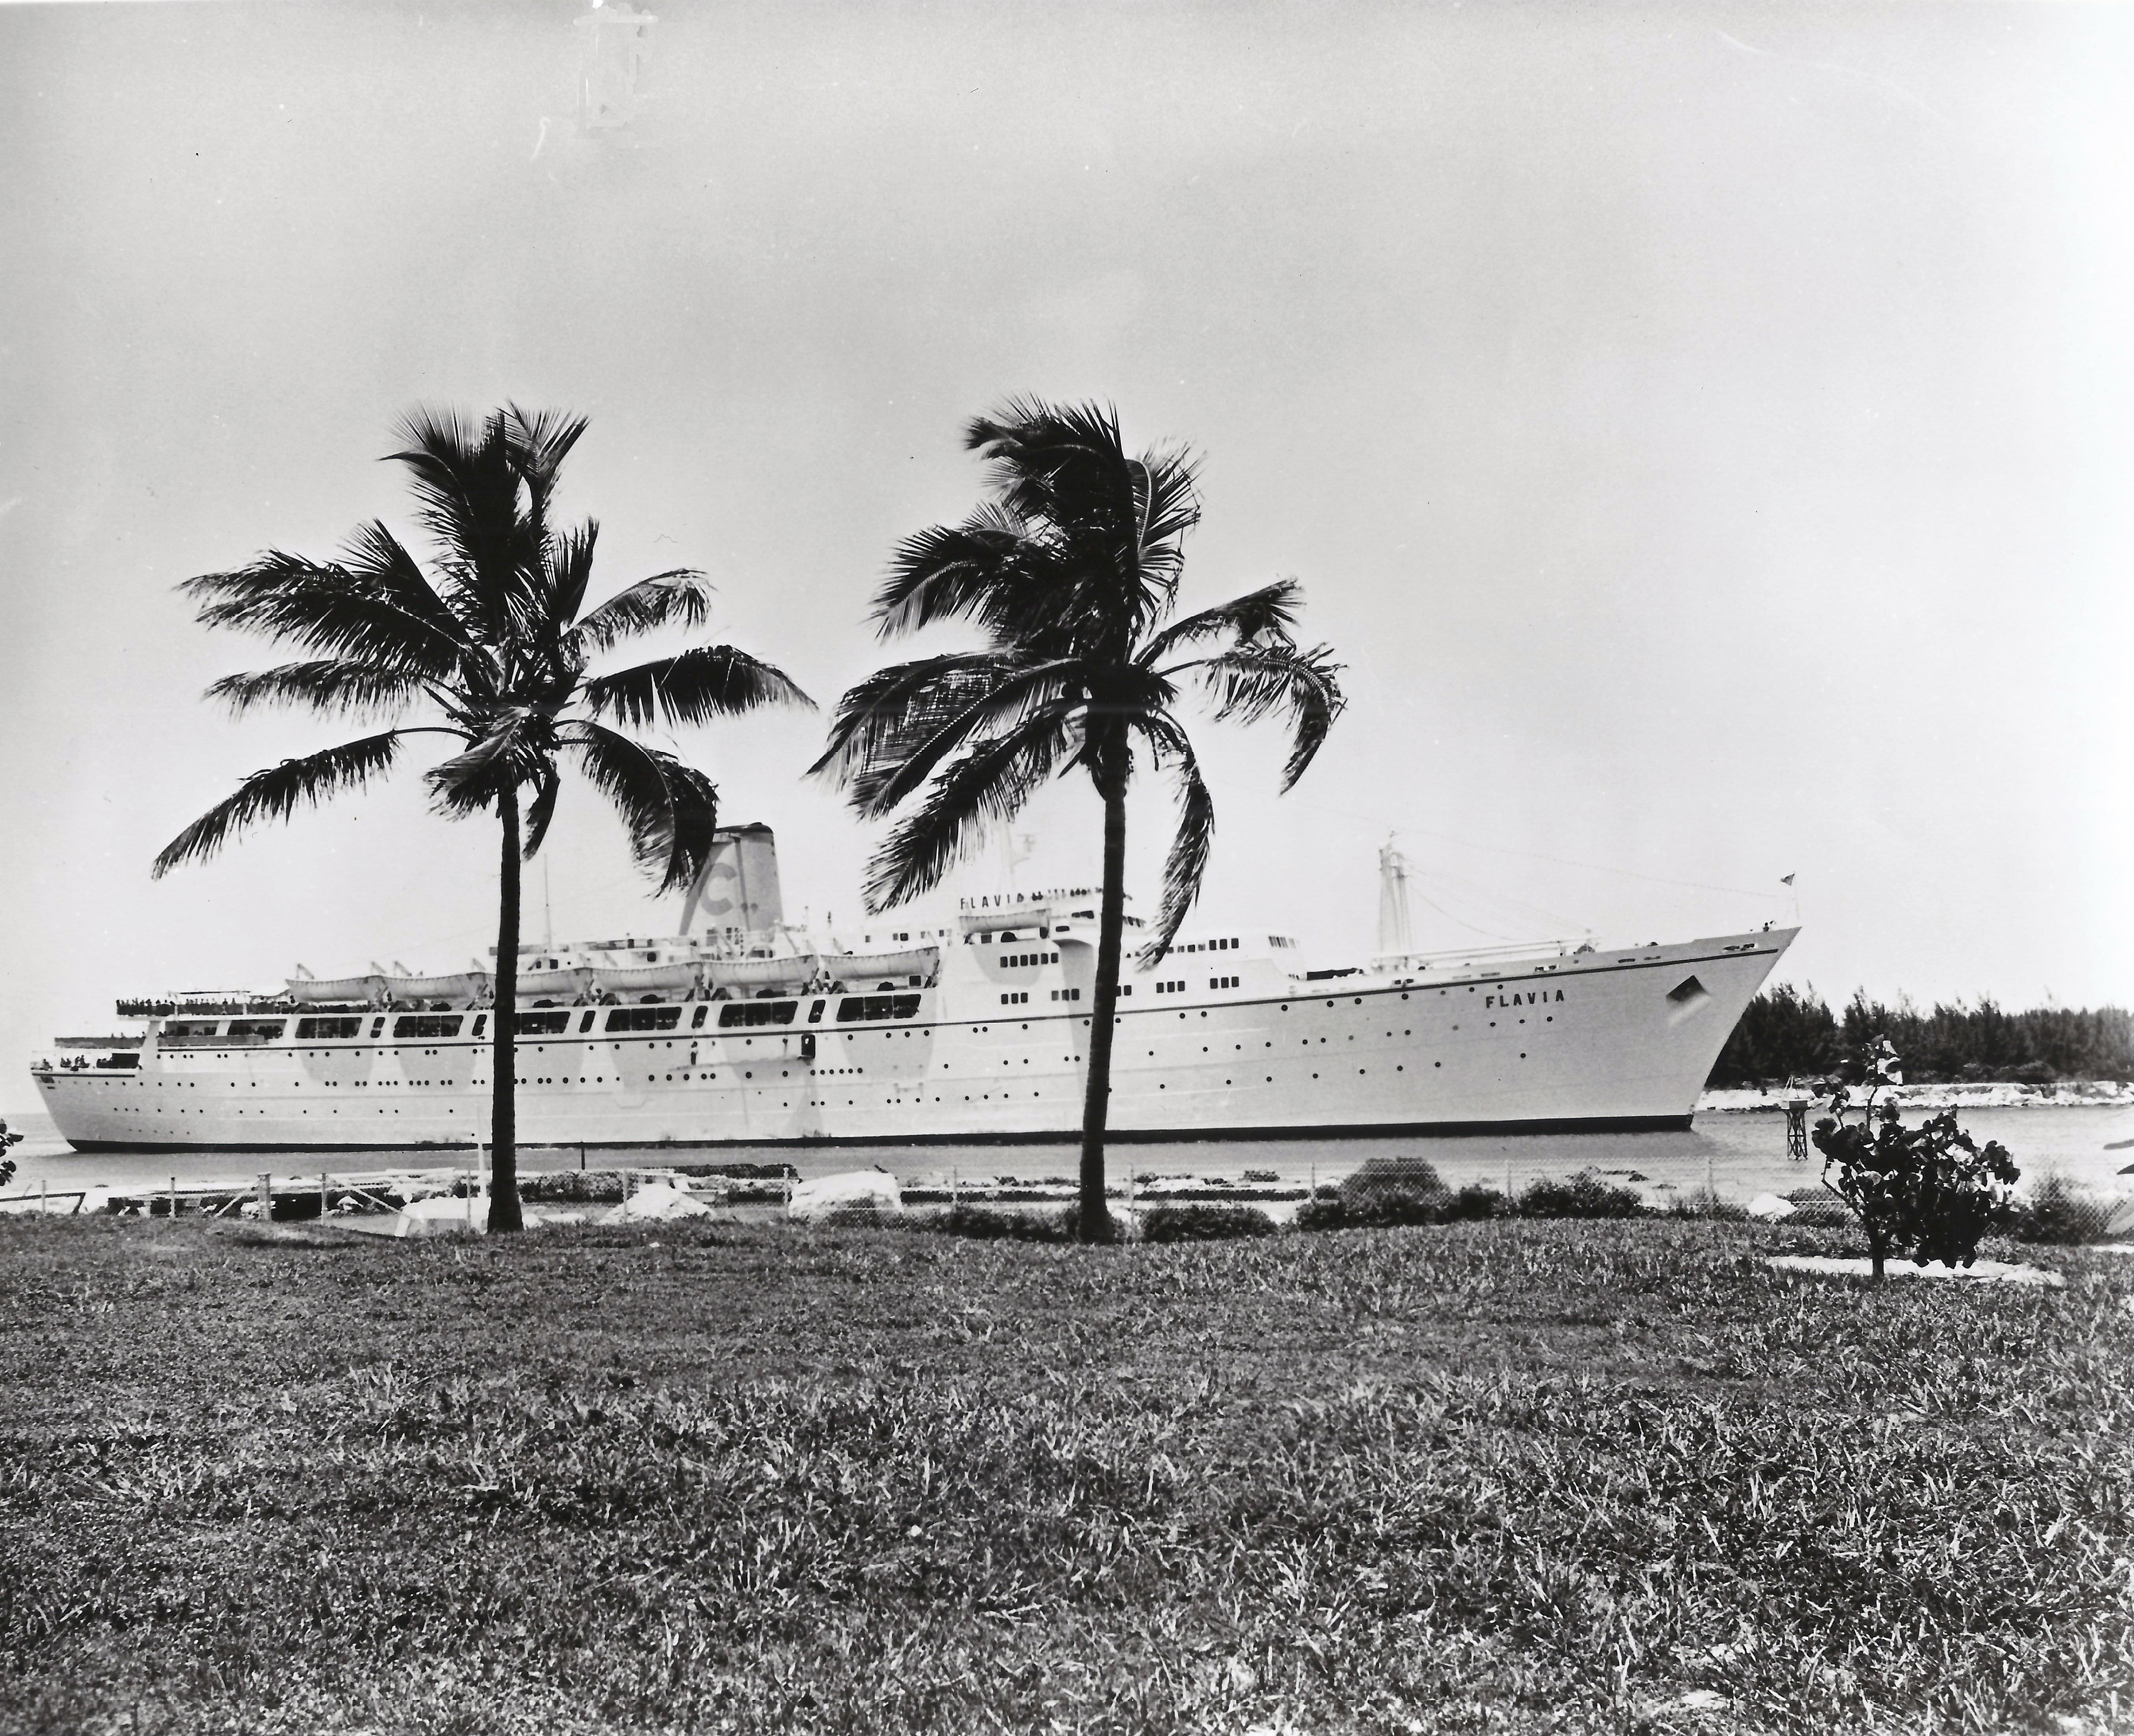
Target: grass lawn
1517, 1476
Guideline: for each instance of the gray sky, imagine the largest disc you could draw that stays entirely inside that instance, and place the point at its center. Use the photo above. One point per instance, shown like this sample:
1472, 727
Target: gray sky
1704, 432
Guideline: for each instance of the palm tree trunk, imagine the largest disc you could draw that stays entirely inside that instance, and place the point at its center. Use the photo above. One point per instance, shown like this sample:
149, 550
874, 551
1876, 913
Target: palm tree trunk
503, 1210
1095, 1218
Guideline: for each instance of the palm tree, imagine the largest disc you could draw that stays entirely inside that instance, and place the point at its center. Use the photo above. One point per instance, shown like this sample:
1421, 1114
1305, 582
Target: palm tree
1070, 569
496, 639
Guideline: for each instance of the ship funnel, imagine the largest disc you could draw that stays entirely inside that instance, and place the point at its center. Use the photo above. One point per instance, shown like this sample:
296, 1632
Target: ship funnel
737, 892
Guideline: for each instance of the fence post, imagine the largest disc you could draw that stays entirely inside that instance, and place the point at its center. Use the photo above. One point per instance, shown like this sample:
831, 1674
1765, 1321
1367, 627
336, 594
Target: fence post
174, 1200
266, 1196
326, 1205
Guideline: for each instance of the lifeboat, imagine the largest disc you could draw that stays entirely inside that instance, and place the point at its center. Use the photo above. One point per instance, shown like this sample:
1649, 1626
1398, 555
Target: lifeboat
459, 985
757, 973
312, 990
859, 966
642, 979
572, 982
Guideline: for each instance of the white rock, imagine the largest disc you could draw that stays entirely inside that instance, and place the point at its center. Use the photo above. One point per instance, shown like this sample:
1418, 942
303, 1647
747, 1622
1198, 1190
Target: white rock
857, 1191
656, 1202
1771, 1206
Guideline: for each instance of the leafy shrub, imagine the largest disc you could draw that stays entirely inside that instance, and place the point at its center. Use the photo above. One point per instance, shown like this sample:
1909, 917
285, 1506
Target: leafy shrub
1706, 1205
1927, 1191
570, 1187
1205, 1223
988, 1224
1586, 1195
1377, 1179
2056, 1211
1476, 1200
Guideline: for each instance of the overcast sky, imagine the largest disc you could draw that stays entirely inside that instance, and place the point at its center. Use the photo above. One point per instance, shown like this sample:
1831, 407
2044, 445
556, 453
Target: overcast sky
1703, 432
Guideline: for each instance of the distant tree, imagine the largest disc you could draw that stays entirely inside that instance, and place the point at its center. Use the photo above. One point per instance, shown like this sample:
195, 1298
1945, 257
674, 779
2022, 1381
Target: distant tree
7, 1163
1069, 572
1929, 1191
1787, 1032
1782, 1034
497, 638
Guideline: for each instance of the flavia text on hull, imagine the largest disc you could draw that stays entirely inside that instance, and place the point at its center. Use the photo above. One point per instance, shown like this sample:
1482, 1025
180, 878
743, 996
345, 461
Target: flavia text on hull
742, 1030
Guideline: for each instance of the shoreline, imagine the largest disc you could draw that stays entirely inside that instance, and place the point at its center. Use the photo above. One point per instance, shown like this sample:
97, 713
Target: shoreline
2060, 1094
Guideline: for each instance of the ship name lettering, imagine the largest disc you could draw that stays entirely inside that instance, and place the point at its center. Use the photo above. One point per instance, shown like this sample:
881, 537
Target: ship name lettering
1529, 999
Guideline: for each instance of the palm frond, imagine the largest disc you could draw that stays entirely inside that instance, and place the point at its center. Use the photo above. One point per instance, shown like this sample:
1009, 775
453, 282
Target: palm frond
1251, 681
540, 441
952, 571
990, 783
1116, 523
680, 598
893, 710
324, 607
1043, 455
330, 684
670, 809
1047, 690
470, 782
273, 794
1186, 861
541, 810
467, 488
709, 682
569, 570
1262, 616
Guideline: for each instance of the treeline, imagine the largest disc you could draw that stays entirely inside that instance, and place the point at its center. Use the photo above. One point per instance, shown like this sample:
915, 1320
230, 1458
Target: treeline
1791, 1033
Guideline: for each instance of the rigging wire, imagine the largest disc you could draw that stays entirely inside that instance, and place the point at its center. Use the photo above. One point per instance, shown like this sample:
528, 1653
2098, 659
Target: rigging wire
1538, 855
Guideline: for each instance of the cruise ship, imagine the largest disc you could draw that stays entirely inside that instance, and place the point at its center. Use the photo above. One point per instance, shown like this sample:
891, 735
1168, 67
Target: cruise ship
973, 1027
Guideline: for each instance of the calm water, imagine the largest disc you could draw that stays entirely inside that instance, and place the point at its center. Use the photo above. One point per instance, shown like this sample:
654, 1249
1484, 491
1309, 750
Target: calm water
1740, 1155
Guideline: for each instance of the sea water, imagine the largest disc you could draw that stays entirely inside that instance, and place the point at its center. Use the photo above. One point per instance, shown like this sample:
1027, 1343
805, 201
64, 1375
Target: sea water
1737, 1154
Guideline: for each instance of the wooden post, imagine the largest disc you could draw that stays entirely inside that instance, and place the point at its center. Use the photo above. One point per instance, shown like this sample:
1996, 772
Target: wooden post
44, 1195
326, 1205
266, 1196
581, 1157
174, 1200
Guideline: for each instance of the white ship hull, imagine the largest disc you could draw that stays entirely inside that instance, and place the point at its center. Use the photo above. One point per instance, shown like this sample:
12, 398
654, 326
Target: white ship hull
1593, 1040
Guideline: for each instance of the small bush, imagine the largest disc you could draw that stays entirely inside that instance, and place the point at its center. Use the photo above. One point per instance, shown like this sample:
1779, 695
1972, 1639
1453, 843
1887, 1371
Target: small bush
1930, 1192
1382, 1179
1205, 1223
1708, 1207
2056, 1211
988, 1224
1476, 1200
571, 1187
1586, 1195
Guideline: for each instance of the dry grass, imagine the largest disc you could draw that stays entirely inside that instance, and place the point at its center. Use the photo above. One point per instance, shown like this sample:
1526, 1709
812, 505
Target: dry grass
1511, 1476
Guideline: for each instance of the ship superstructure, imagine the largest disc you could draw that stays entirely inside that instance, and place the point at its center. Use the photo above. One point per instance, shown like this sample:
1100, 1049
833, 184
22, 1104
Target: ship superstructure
972, 1028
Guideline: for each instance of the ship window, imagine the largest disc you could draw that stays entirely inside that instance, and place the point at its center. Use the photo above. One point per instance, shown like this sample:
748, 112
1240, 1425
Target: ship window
643, 1018
307, 1029
542, 1025
258, 1030
480, 1022
696, 1018
376, 1026
184, 1031
737, 1013
854, 1008
428, 1025
585, 1025
815, 1012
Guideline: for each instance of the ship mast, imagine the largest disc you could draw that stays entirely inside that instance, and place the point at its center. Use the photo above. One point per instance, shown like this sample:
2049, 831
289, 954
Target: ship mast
1396, 938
